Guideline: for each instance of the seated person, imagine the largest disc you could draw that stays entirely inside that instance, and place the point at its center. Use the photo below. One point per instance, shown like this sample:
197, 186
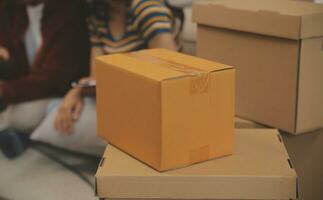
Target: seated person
118, 26
44, 46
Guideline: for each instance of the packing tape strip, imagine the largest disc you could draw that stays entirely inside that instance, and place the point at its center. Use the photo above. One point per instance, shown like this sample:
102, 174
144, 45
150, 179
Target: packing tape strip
200, 78
200, 154
189, 70
200, 84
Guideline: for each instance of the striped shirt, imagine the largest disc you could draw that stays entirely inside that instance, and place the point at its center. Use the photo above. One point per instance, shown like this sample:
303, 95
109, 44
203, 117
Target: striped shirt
145, 19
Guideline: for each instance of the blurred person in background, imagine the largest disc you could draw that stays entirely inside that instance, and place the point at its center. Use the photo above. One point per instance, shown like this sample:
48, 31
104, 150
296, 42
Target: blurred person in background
118, 26
44, 46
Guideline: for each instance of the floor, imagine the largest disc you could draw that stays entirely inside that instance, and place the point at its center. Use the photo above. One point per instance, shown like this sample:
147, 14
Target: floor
57, 175
45, 172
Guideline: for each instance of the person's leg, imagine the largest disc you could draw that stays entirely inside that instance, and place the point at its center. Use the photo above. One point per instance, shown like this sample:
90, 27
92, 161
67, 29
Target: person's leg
25, 117
4, 119
16, 121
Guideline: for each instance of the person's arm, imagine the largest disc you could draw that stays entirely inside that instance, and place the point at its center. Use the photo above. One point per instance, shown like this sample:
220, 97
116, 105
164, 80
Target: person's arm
164, 40
95, 52
4, 54
67, 57
3, 23
70, 109
154, 22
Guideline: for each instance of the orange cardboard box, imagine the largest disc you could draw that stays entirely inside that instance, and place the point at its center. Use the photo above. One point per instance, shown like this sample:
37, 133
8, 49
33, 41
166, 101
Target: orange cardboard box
276, 48
165, 108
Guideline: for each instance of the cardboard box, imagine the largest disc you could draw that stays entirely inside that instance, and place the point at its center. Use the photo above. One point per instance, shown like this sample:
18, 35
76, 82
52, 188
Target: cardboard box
276, 47
306, 153
167, 109
306, 0
259, 169
240, 123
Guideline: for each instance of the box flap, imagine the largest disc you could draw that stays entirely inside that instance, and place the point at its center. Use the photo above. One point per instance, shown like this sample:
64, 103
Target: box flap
280, 18
161, 64
258, 170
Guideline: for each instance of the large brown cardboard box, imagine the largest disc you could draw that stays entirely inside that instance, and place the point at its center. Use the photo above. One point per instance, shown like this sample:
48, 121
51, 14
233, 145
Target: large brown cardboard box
165, 108
277, 49
259, 169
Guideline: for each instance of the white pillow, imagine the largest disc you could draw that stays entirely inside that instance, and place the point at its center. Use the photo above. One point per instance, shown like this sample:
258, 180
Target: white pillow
84, 138
189, 27
180, 3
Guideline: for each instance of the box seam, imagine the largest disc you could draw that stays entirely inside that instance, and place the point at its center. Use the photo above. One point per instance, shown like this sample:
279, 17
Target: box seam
290, 163
297, 87
102, 162
297, 189
191, 75
96, 177
161, 124
279, 138
95, 186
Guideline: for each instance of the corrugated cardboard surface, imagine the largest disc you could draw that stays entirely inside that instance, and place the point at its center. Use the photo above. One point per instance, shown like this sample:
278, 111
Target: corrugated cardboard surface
258, 170
310, 94
240, 123
266, 73
165, 108
210, 114
282, 18
278, 80
306, 153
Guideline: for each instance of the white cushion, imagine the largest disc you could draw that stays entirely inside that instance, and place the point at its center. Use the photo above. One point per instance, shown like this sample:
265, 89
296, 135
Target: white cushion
189, 28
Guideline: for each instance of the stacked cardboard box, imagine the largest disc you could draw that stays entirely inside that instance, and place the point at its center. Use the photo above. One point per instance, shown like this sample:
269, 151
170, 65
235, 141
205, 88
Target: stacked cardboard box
259, 169
165, 108
163, 111
306, 153
276, 47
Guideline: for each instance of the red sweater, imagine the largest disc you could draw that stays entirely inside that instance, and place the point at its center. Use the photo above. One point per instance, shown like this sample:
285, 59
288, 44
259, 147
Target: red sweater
62, 58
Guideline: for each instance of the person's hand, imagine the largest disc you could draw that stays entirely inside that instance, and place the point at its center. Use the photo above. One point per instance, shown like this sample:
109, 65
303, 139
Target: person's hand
4, 54
69, 112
